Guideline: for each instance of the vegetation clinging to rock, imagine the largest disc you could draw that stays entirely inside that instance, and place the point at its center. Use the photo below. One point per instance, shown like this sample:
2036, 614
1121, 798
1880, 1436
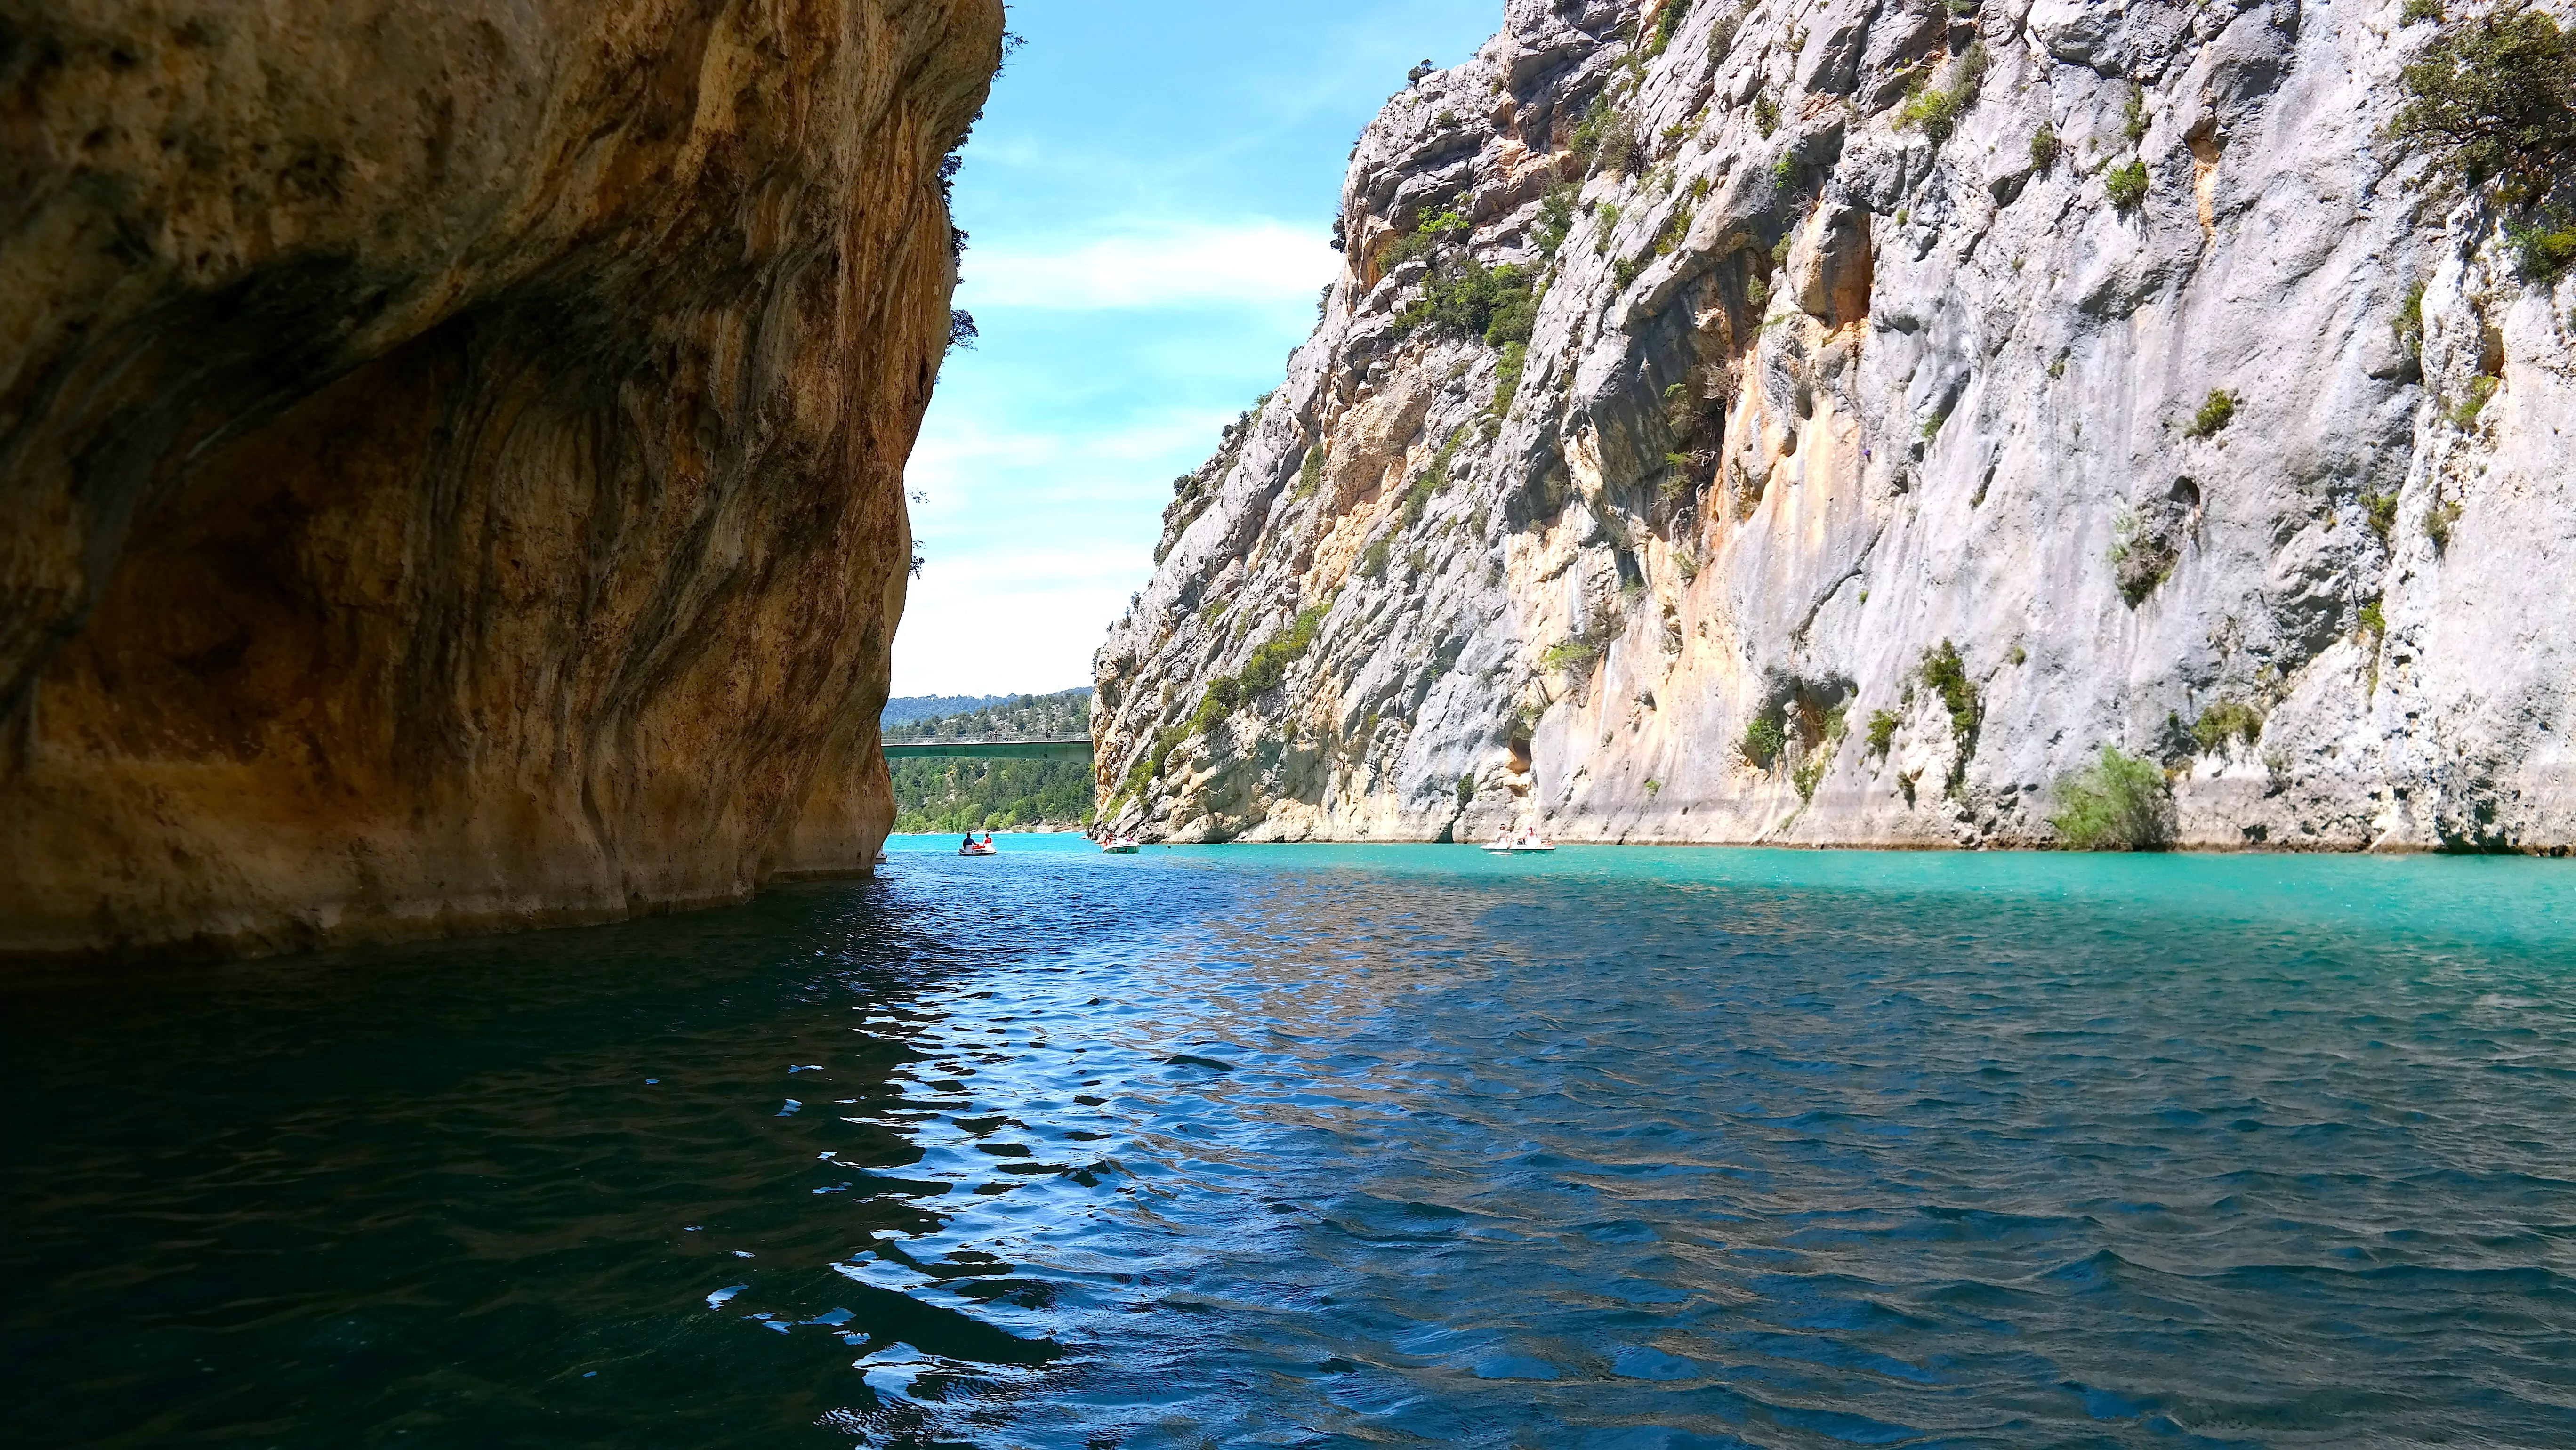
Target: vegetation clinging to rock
1607, 138
2216, 412
2494, 97
1763, 741
1568, 655
1882, 731
1269, 663
2044, 146
2227, 720
2126, 184
1668, 23
1555, 219
1935, 110
2118, 803
1469, 299
1946, 675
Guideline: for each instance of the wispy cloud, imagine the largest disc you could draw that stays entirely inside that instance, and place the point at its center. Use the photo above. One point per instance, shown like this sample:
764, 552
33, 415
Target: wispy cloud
1145, 254
1257, 263
977, 630
947, 455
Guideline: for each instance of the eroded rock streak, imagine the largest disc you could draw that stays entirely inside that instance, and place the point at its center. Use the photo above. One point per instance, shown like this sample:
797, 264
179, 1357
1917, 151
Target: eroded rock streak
1854, 360
450, 453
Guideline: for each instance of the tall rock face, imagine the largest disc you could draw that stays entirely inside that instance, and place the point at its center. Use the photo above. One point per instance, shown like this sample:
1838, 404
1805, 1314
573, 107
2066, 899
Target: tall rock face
1918, 398
450, 454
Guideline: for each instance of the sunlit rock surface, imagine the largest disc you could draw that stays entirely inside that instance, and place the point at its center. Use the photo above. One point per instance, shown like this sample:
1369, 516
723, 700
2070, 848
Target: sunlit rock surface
1814, 393
450, 453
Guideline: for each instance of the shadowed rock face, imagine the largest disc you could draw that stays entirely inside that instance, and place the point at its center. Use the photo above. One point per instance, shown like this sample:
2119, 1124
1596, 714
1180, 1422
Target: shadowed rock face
450, 454
1862, 478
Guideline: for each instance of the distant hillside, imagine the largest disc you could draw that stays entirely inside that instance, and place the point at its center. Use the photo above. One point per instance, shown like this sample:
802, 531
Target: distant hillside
911, 708
994, 795
1062, 715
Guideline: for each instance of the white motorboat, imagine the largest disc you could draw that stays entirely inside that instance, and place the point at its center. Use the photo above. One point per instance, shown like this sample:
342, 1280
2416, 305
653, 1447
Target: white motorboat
1120, 847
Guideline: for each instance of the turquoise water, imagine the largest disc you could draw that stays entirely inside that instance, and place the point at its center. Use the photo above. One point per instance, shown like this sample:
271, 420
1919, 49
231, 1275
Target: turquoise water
1339, 1146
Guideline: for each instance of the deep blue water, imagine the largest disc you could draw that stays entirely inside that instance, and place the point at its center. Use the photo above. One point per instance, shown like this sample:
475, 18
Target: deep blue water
1338, 1147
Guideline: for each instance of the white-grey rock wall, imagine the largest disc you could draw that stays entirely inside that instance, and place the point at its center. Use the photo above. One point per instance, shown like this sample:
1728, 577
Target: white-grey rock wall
1815, 396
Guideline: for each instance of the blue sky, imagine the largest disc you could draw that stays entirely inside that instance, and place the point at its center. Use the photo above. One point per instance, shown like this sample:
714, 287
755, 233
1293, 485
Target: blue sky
1151, 194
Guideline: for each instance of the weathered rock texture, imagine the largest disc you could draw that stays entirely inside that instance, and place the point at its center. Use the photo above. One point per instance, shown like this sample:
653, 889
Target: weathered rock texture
450, 453
1813, 392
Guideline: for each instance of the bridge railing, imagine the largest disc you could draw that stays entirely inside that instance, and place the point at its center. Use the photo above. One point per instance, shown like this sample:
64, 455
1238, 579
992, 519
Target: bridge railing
1079, 749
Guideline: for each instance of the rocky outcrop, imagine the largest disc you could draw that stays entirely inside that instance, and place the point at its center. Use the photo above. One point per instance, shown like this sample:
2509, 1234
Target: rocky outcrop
450, 453
1918, 398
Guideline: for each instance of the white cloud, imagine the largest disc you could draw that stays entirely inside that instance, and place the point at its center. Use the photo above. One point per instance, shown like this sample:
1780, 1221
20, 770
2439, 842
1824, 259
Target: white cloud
952, 454
1260, 263
974, 631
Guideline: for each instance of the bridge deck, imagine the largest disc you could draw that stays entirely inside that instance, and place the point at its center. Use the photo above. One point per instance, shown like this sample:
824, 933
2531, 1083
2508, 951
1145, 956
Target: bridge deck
990, 749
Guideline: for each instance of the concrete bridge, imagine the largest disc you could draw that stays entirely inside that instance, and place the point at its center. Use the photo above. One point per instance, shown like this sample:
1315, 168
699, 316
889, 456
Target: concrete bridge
1079, 749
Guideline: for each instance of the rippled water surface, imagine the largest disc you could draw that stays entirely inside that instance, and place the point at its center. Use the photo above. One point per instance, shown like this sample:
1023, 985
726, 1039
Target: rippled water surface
1330, 1146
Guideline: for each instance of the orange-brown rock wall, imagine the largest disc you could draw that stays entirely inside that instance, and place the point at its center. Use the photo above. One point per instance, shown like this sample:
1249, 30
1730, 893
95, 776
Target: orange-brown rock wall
451, 454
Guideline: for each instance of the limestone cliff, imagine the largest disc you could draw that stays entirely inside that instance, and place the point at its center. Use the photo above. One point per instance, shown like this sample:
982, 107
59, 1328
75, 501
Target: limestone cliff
450, 453
1917, 398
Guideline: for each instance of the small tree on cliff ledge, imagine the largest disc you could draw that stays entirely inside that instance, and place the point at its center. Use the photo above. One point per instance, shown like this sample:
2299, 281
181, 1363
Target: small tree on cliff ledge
2494, 96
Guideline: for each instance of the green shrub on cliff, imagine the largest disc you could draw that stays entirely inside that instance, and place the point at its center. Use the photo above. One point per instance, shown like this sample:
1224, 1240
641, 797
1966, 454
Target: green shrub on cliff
1310, 473
1946, 675
1668, 23
1465, 298
2493, 98
1507, 376
2543, 248
2216, 412
1606, 138
1373, 558
1721, 34
1882, 732
1424, 239
2410, 320
1935, 110
2227, 720
2379, 510
1223, 694
2482, 389
1433, 480
1763, 741
1568, 655
1269, 663
1555, 219
2118, 803
2126, 184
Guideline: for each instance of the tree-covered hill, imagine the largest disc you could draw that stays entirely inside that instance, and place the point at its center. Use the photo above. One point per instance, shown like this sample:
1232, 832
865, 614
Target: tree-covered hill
996, 795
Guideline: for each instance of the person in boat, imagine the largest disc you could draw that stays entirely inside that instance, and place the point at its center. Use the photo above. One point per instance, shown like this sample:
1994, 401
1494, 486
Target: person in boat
970, 842
988, 840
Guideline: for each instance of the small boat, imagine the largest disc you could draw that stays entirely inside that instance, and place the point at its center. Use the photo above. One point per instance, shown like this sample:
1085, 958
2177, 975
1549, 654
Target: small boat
977, 848
1120, 847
